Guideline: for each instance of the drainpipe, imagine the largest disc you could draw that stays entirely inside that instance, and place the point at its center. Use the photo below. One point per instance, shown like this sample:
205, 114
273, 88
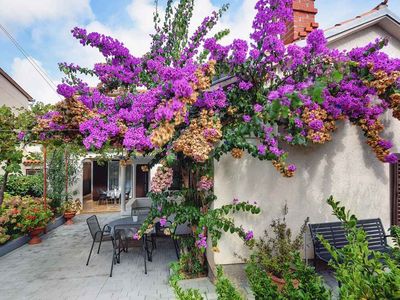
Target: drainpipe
123, 179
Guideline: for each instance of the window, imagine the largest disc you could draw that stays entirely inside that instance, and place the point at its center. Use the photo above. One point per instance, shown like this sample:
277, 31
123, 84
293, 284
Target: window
395, 192
113, 174
142, 180
33, 171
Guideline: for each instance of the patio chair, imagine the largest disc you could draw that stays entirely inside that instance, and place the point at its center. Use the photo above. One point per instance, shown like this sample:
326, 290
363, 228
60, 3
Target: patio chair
98, 235
181, 231
122, 240
102, 197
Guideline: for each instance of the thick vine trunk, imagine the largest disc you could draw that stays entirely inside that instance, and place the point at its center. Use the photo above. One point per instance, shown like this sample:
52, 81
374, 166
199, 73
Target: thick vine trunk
3, 187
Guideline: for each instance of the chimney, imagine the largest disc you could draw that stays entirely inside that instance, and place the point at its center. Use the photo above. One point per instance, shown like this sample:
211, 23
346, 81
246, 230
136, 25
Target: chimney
303, 21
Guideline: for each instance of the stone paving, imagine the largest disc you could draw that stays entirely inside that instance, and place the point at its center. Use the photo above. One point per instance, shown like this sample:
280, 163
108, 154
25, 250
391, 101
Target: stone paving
56, 268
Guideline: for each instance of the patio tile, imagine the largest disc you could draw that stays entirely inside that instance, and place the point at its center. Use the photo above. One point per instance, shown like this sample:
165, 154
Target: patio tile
56, 269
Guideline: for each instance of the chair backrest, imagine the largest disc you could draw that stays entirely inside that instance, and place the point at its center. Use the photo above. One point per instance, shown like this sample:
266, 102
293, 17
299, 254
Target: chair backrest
93, 225
335, 234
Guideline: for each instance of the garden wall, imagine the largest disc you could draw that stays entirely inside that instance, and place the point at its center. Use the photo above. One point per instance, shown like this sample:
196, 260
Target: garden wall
345, 167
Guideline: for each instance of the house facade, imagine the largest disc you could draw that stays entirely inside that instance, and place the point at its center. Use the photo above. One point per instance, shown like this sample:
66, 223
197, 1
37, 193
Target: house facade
345, 167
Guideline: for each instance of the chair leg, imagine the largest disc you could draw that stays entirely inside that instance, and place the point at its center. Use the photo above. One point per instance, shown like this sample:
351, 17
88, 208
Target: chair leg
90, 253
101, 239
153, 241
144, 253
175, 241
114, 259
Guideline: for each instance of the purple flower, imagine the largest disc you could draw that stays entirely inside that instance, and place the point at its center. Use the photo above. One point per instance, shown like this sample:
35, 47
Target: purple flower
273, 95
261, 149
291, 168
163, 221
246, 118
136, 236
258, 107
298, 123
316, 125
245, 86
385, 144
21, 135
288, 138
201, 243
66, 90
249, 235
391, 158
235, 201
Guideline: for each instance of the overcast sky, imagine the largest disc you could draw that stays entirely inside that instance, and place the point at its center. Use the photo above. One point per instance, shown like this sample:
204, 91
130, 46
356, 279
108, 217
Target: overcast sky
42, 28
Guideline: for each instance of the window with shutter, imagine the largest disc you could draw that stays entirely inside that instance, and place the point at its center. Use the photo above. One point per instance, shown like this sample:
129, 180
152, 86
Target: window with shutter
395, 192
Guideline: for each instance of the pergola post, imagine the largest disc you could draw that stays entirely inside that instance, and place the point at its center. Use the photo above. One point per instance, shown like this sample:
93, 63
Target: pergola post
123, 183
44, 176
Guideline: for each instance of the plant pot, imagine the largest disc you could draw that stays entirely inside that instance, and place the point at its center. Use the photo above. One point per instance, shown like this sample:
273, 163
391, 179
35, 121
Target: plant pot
34, 234
280, 282
68, 216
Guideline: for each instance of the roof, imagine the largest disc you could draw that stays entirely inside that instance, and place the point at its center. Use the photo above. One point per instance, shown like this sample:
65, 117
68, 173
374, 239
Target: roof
16, 85
380, 14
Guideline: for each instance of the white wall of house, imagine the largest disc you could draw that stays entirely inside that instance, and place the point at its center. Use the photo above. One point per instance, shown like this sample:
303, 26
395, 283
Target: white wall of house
345, 167
10, 95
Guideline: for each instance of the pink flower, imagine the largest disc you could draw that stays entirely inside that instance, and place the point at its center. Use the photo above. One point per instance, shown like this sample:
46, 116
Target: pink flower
249, 235
163, 221
136, 236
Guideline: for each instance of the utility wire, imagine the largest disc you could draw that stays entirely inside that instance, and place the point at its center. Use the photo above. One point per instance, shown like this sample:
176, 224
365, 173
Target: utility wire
38, 69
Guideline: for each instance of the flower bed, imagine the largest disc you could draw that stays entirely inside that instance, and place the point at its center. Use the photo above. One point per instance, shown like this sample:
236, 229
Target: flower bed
18, 215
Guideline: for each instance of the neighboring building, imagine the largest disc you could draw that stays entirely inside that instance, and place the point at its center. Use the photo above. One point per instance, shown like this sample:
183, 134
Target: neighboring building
14, 96
345, 167
11, 93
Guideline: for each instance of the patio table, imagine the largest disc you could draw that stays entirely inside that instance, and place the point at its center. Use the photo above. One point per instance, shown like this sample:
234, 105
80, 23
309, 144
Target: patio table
114, 194
125, 227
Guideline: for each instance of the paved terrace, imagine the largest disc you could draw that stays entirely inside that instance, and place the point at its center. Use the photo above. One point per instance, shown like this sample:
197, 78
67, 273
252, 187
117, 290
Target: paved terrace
56, 268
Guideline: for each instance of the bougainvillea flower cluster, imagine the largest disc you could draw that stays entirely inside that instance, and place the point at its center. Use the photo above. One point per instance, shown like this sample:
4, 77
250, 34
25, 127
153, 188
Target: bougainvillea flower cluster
195, 99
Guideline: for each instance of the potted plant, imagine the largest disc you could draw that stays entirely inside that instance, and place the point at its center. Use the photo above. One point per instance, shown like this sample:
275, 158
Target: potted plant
275, 254
70, 208
35, 217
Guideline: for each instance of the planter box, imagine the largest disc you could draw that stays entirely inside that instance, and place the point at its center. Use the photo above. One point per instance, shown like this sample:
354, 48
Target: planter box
18, 242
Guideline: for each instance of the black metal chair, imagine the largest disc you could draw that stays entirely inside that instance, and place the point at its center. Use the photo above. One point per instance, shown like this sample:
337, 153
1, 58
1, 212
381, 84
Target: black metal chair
122, 240
98, 235
102, 197
181, 231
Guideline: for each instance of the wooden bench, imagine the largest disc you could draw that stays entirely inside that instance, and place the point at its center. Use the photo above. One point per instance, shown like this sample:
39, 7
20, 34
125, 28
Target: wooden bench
335, 234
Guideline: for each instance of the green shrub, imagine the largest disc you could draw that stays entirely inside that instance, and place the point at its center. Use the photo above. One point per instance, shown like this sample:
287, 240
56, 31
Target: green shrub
189, 294
310, 286
25, 185
225, 289
362, 273
395, 234
278, 254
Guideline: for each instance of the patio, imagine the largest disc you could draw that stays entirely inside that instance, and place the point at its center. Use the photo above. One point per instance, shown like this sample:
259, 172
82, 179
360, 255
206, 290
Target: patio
55, 269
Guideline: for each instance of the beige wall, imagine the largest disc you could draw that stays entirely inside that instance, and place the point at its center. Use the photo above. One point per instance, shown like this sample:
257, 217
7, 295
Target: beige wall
345, 167
10, 95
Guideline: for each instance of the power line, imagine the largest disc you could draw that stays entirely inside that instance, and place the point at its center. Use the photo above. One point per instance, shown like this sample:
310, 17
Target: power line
37, 67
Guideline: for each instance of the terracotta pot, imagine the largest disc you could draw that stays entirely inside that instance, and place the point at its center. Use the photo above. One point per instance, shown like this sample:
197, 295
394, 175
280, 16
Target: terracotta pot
280, 282
34, 234
69, 216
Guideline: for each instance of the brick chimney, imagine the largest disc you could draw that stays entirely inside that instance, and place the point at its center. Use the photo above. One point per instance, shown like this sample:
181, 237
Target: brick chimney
303, 21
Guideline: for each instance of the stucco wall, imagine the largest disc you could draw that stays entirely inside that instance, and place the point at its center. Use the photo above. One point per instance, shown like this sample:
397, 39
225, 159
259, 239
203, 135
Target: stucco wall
345, 167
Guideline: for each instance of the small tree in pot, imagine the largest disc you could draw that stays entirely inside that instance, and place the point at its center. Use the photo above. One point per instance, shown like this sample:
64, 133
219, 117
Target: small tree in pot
70, 208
